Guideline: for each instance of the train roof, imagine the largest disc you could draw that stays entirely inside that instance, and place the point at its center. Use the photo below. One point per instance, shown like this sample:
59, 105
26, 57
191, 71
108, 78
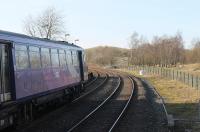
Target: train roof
21, 38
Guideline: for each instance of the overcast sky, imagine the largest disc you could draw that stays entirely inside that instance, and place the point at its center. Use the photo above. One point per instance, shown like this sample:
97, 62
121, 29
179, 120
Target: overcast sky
110, 22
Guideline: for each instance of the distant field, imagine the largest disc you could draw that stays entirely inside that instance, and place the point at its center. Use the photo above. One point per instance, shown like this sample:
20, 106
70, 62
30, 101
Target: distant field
190, 68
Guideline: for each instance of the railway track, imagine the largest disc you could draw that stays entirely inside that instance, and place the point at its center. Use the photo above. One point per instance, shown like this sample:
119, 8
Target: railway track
107, 114
89, 88
102, 107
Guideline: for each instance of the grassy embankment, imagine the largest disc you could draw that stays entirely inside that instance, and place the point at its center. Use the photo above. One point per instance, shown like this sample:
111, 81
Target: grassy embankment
181, 100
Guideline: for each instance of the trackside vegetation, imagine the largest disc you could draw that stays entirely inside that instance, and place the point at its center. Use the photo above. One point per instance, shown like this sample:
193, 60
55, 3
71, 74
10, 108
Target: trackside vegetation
181, 100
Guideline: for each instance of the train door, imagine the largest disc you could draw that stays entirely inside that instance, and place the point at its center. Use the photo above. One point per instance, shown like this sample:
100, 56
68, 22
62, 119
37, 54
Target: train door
5, 90
81, 65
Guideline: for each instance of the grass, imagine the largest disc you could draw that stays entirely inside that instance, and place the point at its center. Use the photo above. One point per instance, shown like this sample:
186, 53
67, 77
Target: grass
180, 99
189, 68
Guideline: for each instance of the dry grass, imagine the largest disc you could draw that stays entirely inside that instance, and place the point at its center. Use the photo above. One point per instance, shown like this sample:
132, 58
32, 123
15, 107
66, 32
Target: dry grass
181, 100
190, 68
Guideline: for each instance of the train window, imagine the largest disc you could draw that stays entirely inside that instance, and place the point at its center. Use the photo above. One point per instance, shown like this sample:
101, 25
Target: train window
62, 58
21, 56
46, 60
61, 51
34, 53
54, 58
69, 57
54, 51
20, 47
75, 58
34, 49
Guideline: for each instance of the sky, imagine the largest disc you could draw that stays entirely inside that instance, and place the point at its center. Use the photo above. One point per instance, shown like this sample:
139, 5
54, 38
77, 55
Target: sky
110, 22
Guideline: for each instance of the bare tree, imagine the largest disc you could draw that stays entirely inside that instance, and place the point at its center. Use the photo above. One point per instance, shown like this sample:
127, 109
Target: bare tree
47, 25
194, 54
163, 51
133, 44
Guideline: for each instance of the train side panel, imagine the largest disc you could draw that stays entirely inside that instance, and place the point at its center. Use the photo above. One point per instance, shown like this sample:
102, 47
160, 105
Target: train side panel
33, 82
37, 85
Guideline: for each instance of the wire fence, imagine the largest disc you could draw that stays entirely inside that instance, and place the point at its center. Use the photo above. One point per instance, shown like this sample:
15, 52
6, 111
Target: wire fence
184, 77
183, 103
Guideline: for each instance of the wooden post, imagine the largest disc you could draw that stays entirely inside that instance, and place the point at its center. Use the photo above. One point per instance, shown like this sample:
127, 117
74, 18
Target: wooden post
192, 81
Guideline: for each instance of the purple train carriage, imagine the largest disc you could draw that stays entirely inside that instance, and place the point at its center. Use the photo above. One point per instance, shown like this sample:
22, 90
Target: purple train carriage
35, 72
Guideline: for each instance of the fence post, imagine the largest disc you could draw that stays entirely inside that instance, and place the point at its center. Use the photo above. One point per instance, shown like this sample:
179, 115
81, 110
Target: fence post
158, 71
181, 76
177, 75
164, 72
171, 74
184, 77
192, 80
161, 71
167, 72
153, 70
198, 82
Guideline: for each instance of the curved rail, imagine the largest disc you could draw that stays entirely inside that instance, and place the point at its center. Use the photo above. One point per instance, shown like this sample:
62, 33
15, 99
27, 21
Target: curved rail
106, 78
125, 107
99, 106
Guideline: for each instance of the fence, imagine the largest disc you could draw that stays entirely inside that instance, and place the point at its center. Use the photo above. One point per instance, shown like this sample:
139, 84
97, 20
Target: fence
186, 78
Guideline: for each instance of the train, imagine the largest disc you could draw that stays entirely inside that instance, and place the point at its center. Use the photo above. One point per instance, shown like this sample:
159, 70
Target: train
36, 72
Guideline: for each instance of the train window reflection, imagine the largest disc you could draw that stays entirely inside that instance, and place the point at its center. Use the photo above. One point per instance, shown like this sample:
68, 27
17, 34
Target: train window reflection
54, 58
62, 58
45, 54
21, 56
34, 57
20, 47
75, 58
69, 58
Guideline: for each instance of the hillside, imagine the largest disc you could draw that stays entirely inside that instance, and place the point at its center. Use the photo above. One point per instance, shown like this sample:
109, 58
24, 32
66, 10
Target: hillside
107, 56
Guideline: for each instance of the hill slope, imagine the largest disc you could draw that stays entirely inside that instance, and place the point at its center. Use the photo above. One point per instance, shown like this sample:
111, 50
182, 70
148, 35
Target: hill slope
107, 56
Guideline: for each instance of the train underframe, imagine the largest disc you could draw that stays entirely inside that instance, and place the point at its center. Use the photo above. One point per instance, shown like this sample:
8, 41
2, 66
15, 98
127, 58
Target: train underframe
19, 113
